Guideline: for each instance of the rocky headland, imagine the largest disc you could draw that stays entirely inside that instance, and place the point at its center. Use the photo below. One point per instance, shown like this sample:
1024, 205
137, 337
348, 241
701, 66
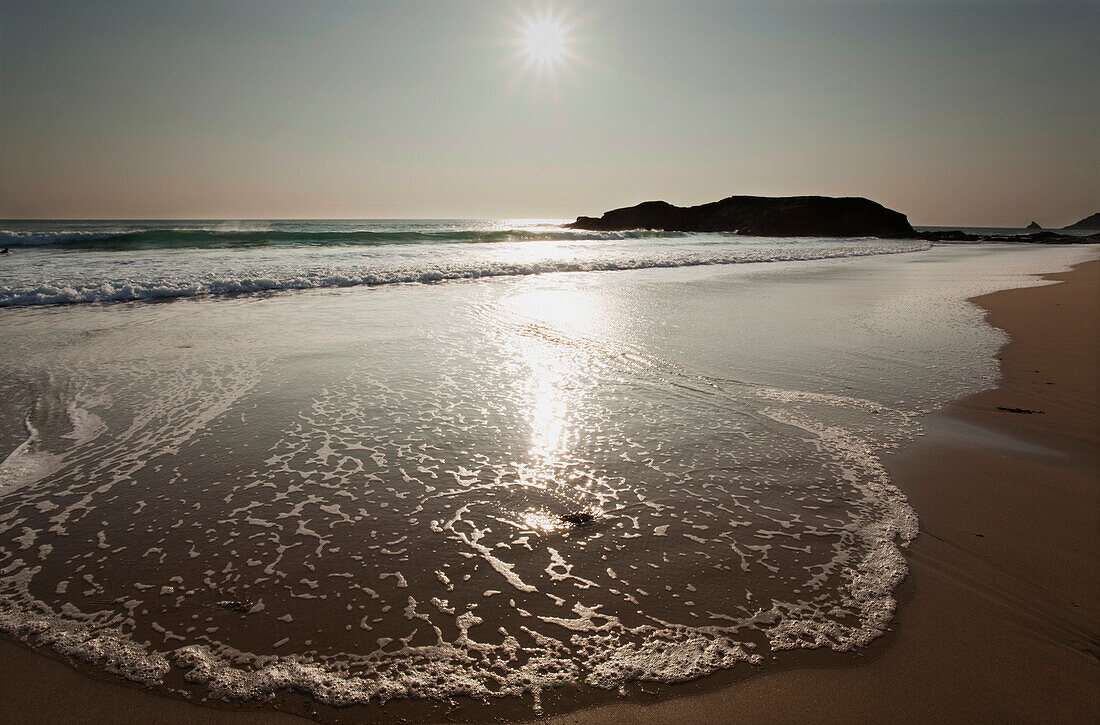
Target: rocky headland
1089, 222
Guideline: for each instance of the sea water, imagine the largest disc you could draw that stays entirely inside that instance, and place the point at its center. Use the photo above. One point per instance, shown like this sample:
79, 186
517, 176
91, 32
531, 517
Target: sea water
61, 262
355, 484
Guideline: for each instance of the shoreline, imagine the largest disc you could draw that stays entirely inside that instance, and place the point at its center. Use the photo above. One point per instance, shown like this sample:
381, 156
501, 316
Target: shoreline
998, 617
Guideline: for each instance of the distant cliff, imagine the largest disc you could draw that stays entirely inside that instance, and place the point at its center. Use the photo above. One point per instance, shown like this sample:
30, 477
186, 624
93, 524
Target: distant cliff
1089, 222
765, 216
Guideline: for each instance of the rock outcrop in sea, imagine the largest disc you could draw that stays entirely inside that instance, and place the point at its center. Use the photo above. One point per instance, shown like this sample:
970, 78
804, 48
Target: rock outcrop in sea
806, 216
783, 216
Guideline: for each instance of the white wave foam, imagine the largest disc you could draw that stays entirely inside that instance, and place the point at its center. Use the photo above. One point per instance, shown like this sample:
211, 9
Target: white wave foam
26, 464
293, 278
8, 237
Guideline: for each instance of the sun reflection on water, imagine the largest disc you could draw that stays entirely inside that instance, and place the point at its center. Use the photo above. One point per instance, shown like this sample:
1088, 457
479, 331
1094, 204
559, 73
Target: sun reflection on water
542, 521
560, 370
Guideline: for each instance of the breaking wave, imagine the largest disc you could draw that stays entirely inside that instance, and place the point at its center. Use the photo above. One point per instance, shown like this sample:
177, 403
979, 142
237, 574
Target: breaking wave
185, 283
122, 239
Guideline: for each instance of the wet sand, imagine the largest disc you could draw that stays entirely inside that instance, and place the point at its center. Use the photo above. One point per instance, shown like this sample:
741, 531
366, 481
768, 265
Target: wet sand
998, 619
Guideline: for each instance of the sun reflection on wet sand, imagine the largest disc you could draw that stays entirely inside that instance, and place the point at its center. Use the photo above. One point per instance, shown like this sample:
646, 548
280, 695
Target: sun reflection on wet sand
558, 378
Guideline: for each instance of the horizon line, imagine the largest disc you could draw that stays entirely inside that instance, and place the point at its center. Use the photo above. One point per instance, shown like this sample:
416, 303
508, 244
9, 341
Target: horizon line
424, 219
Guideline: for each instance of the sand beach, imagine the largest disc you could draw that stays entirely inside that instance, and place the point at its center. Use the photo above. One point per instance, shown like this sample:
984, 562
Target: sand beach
1000, 615
478, 362
997, 617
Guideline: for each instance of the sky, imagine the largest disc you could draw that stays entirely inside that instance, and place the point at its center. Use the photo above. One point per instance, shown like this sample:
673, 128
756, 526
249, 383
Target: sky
955, 113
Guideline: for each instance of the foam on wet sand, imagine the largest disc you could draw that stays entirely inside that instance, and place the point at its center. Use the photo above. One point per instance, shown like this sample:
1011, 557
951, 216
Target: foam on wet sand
331, 517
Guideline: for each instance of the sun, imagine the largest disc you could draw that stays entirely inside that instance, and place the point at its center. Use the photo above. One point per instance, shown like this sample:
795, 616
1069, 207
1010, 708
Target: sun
544, 41
546, 50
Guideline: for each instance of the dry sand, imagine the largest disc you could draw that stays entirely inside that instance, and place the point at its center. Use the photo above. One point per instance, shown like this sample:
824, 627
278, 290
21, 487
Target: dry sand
1000, 617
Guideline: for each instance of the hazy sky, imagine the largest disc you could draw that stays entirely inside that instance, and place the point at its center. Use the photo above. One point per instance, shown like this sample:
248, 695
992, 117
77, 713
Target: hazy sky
957, 113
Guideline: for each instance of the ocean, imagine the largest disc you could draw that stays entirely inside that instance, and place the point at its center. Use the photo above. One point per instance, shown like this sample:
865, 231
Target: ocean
377, 460
68, 262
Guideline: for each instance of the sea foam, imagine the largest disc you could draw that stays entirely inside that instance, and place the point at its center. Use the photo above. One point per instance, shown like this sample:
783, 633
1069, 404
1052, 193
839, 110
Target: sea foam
109, 279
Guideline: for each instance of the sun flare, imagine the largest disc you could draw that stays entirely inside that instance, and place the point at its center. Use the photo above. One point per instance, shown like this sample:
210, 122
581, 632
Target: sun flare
544, 40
